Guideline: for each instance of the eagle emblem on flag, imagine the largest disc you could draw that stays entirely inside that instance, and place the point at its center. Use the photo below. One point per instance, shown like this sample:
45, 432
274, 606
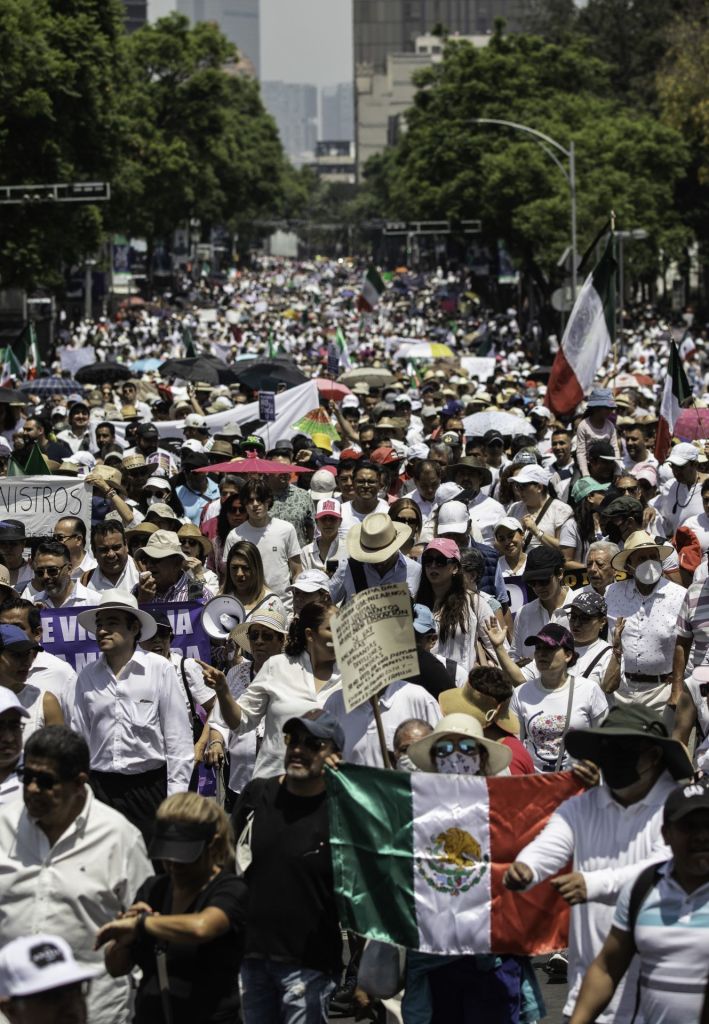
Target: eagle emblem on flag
453, 862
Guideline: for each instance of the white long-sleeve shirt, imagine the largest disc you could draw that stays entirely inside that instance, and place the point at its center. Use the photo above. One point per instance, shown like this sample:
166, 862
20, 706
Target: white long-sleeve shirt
609, 844
136, 721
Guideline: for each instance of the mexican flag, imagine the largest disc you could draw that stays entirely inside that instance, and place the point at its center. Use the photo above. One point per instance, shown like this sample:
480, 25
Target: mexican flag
27, 351
372, 289
11, 368
675, 393
342, 349
587, 339
418, 859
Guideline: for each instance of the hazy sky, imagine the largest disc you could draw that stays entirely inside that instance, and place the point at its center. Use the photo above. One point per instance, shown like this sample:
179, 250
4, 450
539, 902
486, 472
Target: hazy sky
301, 40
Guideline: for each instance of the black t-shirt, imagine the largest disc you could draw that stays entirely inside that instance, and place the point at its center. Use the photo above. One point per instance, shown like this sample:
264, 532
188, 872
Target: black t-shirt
204, 979
433, 675
292, 915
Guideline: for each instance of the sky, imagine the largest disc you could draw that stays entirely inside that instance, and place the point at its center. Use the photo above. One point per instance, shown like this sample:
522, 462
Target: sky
301, 40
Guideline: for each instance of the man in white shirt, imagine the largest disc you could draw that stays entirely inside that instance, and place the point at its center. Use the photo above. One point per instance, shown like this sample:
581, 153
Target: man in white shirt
68, 863
471, 474
366, 480
71, 531
11, 728
52, 566
683, 498
130, 709
115, 569
611, 832
13, 540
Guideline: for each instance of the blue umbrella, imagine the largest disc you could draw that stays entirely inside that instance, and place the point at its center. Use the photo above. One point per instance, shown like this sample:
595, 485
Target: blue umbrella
146, 365
46, 386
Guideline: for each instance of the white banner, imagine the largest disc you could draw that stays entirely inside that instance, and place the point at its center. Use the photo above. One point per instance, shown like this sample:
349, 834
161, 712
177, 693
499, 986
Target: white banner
481, 367
72, 359
39, 501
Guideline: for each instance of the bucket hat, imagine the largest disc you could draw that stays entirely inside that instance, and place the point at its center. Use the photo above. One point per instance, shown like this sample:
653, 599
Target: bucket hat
631, 721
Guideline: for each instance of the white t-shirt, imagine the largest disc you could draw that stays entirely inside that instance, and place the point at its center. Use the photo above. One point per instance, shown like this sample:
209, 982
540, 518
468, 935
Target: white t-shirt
277, 542
551, 522
542, 716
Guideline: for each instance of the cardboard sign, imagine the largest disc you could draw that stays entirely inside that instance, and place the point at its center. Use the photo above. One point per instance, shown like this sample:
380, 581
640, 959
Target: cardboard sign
267, 406
39, 501
374, 642
66, 639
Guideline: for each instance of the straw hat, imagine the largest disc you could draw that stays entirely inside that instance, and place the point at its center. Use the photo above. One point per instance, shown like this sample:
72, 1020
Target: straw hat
190, 530
269, 613
376, 538
635, 542
121, 601
499, 756
469, 701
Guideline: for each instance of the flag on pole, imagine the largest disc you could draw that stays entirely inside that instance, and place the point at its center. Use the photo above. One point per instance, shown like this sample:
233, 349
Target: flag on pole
675, 394
273, 346
188, 342
418, 859
35, 465
11, 367
343, 350
372, 289
587, 339
27, 351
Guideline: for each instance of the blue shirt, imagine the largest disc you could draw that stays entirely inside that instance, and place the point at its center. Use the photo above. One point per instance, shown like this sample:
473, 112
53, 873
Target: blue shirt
404, 570
193, 502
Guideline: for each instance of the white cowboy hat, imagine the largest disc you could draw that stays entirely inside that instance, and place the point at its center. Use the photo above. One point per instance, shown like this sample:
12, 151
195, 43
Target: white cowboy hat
635, 542
499, 756
120, 600
376, 538
270, 613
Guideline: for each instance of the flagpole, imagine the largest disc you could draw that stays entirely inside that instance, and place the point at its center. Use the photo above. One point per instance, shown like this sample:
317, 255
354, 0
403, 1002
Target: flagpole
374, 701
615, 309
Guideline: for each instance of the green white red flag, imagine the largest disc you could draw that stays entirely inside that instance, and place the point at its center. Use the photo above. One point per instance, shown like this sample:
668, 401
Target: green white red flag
372, 290
419, 858
675, 393
587, 339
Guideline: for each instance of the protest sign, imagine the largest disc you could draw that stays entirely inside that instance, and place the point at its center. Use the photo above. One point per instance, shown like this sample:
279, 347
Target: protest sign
374, 642
38, 501
267, 406
66, 639
481, 367
72, 359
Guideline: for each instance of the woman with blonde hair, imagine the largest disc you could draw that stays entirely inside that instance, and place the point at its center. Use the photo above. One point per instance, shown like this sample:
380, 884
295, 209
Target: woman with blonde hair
185, 924
244, 575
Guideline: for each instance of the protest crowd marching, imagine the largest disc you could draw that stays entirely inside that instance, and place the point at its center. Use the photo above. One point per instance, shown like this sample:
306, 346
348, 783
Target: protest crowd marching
354, 660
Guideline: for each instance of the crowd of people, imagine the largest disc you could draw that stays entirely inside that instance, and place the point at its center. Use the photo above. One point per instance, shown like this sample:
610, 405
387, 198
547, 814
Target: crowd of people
164, 834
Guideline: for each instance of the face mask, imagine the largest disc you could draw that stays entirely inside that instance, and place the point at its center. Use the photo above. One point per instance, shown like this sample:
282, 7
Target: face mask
457, 763
648, 572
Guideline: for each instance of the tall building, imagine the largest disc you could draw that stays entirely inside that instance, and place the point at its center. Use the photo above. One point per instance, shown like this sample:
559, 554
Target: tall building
295, 110
383, 27
238, 20
337, 112
136, 14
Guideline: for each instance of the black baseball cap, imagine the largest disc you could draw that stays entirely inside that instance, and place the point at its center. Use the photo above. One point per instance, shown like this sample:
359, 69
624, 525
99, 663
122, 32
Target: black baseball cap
554, 635
181, 841
491, 436
12, 529
602, 450
685, 799
147, 430
542, 562
321, 724
624, 506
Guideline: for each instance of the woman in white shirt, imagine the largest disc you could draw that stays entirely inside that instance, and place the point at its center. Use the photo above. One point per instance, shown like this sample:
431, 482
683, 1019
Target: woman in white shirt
286, 687
327, 545
509, 542
541, 515
554, 699
460, 614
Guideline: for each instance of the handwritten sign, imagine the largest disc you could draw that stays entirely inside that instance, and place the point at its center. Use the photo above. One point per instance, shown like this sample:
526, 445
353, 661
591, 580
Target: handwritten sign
63, 636
267, 406
38, 501
374, 642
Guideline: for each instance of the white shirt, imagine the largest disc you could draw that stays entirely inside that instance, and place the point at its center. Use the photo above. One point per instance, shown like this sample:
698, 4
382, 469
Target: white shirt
89, 877
530, 619
32, 699
86, 563
310, 557
551, 522
700, 525
587, 655
126, 581
609, 844
485, 514
195, 679
79, 596
404, 570
242, 748
650, 629
679, 503
350, 515
135, 722
400, 700
425, 505
460, 647
49, 673
283, 689
277, 542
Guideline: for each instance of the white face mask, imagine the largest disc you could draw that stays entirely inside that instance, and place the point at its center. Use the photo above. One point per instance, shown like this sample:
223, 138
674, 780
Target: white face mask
457, 763
648, 572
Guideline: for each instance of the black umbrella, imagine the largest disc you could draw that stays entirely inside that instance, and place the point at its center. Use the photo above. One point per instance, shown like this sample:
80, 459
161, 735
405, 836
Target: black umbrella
207, 369
46, 386
8, 396
102, 373
266, 374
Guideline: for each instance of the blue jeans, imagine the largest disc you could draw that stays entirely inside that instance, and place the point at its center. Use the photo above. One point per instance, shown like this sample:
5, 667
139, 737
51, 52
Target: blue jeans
276, 993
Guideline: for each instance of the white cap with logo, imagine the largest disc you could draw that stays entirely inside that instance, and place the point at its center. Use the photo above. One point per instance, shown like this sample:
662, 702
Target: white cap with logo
38, 963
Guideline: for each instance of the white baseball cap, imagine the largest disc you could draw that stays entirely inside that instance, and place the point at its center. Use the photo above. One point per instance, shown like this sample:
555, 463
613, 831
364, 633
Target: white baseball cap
446, 492
350, 402
196, 421
453, 517
310, 581
9, 702
509, 523
683, 453
322, 484
193, 445
532, 475
38, 963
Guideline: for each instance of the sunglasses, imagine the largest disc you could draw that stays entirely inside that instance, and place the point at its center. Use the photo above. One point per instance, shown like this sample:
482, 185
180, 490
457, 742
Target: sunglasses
191, 542
43, 780
444, 748
50, 570
438, 560
262, 634
409, 520
311, 743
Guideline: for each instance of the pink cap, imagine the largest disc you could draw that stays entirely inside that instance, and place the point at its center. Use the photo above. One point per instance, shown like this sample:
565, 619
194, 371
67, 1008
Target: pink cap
328, 507
644, 471
448, 548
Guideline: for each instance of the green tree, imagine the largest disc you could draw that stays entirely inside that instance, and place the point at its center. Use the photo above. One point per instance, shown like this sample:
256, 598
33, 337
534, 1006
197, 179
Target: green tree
445, 166
61, 74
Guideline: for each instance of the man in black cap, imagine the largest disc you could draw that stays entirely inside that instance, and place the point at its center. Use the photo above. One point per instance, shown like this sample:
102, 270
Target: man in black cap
610, 832
662, 917
12, 545
544, 574
603, 465
293, 946
147, 437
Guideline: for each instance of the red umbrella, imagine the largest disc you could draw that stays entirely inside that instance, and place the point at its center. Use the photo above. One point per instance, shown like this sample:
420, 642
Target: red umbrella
252, 464
331, 389
692, 425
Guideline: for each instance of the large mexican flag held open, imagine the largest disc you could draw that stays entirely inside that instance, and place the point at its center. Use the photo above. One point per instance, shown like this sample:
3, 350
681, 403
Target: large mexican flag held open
419, 858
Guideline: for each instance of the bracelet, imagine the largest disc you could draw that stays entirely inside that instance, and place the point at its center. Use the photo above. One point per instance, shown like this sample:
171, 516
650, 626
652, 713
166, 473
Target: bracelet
215, 743
140, 927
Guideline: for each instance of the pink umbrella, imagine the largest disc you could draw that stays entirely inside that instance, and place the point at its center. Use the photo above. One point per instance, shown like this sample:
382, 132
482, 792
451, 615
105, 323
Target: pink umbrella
692, 425
252, 464
331, 389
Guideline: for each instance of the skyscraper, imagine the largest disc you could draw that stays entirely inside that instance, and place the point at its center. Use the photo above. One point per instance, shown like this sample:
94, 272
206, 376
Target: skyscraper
135, 14
238, 20
295, 110
337, 112
382, 27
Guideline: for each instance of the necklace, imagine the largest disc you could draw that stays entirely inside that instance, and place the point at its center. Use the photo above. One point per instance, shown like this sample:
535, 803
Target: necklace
690, 495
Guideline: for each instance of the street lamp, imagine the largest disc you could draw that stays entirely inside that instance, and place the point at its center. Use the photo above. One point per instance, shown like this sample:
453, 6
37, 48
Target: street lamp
636, 235
545, 142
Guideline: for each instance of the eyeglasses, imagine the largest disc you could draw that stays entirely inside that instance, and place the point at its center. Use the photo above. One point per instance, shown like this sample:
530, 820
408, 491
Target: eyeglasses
49, 570
303, 739
42, 780
10, 728
444, 748
64, 537
366, 483
261, 634
438, 560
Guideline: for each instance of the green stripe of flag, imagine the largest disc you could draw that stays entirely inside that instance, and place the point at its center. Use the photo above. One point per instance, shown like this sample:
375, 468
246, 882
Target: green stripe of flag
371, 816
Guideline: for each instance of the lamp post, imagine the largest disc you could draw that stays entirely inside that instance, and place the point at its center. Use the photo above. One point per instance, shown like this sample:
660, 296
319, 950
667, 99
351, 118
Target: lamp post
549, 145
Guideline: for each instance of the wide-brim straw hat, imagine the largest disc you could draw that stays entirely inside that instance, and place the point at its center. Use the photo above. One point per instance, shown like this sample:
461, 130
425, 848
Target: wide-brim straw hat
467, 700
120, 601
376, 538
499, 756
270, 613
635, 542
194, 532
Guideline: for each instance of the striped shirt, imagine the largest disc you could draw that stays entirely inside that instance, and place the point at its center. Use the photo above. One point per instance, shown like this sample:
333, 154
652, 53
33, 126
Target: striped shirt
672, 939
693, 621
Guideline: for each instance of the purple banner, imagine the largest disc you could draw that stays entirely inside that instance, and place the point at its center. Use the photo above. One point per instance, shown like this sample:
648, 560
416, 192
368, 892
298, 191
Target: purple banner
66, 639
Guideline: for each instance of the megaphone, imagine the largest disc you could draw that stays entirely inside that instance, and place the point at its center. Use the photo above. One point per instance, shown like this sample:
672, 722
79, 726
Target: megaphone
220, 615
